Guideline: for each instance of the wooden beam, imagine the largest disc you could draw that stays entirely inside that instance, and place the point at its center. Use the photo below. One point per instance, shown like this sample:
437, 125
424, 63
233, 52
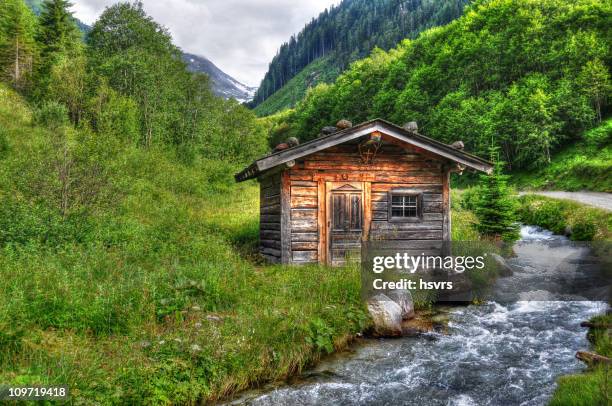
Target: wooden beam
367, 210
446, 204
321, 221
285, 218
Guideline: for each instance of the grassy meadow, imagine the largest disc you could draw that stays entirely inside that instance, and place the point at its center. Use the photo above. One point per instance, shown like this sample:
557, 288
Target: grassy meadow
151, 292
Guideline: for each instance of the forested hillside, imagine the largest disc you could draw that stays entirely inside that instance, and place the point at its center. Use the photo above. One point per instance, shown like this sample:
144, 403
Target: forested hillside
345, 33
529, 76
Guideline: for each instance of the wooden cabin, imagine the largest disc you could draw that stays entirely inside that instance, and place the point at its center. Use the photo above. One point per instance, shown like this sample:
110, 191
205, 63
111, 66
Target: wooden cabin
375, 181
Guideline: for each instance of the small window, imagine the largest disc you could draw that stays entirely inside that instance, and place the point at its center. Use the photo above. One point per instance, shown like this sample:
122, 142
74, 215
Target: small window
404, 206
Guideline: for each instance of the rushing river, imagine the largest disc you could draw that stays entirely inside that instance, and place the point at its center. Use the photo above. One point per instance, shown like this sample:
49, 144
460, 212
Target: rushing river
507, 353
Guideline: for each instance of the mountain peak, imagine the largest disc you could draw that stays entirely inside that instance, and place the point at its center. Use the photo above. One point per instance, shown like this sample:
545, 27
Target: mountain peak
222, 84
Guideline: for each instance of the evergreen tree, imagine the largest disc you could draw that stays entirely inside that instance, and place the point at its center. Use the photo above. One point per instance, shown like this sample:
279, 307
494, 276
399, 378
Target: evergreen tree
17, 45
494, 206
60, 46
58, 33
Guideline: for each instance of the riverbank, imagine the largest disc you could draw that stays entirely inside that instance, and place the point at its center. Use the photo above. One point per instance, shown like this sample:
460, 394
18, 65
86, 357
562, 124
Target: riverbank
494, 352
593, 386
586, 223
565, 217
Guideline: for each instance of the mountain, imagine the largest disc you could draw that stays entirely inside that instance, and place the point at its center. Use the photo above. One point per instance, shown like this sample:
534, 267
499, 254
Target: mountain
529, 86
223, 85
343, 34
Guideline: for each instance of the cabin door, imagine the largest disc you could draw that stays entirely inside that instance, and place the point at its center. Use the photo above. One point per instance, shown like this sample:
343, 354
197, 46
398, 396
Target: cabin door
344, 222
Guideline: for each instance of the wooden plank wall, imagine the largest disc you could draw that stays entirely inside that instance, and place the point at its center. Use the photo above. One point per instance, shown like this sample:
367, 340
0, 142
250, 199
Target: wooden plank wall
270, 217
304, 221
394, 167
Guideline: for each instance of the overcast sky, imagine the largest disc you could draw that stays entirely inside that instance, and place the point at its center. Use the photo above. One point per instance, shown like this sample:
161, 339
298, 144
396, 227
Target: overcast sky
240, 36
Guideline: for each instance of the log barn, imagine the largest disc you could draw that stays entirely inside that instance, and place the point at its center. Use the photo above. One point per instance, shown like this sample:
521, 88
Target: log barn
374, 181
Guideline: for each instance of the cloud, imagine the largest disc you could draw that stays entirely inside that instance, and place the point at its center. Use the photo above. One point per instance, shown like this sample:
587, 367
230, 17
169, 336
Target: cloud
240, 36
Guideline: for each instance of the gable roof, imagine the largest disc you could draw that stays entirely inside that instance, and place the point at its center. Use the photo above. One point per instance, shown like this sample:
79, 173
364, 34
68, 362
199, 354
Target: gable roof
436, 147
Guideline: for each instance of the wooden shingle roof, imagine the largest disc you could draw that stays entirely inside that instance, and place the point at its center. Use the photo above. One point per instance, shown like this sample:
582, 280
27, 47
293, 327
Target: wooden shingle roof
401, 134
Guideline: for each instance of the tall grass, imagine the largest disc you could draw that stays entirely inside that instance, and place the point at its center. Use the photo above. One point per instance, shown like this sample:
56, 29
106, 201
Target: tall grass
146, 290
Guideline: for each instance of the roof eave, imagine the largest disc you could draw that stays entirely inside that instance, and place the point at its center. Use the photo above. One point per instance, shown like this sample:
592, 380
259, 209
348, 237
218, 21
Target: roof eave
421, 141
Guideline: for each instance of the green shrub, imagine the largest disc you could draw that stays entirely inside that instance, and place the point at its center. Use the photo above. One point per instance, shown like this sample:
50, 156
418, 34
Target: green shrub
469, 198
587, 223
600, 136
546, 214
320, 335
583, 230
51, 115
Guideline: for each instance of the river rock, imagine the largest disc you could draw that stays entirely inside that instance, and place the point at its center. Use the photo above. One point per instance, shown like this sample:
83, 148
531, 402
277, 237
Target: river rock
502, 266
403, 298
386, 315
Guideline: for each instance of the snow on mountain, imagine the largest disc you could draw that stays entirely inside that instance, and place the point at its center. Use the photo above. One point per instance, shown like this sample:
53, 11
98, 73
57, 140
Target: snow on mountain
223, 85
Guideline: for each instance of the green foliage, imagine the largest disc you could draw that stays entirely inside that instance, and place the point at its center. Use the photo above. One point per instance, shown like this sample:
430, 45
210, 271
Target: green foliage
599, 336
58, 33
136, 57
583, 165
321, 70
566, 217
18, 50
114, 115
584, 230
506, 70
51, 115
549, 216
4, 145
594, 386
320, 335
600, 136
340, 35
135, 254
495, 207
469, 198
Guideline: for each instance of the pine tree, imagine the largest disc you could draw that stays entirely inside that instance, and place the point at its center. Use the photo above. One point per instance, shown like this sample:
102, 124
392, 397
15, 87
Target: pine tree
494, 206
58, 30
17, 45
58, 37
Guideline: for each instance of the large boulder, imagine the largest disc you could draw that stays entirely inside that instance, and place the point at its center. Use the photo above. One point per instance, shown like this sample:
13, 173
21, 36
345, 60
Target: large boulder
403, 298
386, 315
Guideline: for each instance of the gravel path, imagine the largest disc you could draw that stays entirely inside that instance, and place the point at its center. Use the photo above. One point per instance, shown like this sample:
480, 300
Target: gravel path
597, 199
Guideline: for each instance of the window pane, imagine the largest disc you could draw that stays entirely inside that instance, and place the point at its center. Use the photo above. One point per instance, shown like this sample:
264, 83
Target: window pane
410, 212
404, 205
397, 212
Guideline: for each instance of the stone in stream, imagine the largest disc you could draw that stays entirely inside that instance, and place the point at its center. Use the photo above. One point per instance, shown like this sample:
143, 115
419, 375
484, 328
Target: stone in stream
403, 298
386, 315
